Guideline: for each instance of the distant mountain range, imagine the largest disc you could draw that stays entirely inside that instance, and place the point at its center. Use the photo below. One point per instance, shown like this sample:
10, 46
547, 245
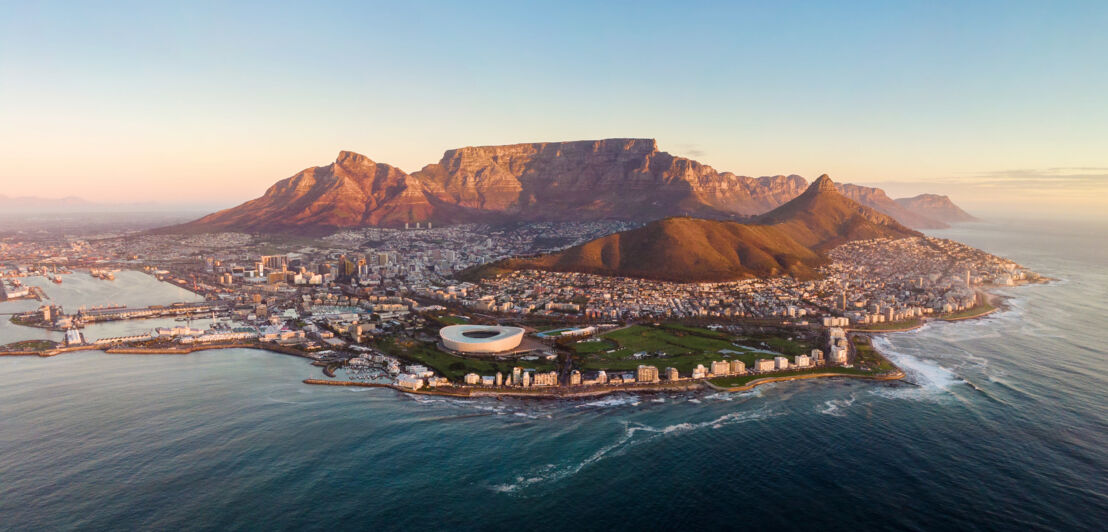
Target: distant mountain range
790, 239
31, 203
558, 181
936, 207
72, 204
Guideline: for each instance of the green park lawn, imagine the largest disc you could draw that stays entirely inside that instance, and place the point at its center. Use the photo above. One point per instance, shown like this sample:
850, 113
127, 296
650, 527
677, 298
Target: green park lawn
867, 357
741, 380
675, 345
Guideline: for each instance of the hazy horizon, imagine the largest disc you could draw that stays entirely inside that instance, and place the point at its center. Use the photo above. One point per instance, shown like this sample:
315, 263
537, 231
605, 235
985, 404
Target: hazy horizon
998, 105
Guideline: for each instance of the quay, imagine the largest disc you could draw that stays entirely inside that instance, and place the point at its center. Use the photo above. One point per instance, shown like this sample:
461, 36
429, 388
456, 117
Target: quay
155, 311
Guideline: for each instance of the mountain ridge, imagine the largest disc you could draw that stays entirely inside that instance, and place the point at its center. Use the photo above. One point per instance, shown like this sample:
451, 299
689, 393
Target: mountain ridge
621, 178
790, 240
936, 207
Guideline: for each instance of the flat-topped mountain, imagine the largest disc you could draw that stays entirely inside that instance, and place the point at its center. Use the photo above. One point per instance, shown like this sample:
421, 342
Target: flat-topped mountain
790, 239
612, 178
627, 179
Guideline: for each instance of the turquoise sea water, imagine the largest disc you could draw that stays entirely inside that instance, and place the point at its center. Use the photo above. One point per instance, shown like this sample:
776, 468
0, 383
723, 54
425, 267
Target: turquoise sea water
1006, 429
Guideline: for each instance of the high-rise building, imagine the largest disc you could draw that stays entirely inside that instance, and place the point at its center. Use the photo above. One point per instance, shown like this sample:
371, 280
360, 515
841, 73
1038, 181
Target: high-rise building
646, 374
575, 378
549, 378
672, 374
738, 367
720, 368
780, 363
275, 262
348, 267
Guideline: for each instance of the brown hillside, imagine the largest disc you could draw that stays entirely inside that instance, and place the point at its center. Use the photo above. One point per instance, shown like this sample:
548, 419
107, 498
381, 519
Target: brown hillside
788, 240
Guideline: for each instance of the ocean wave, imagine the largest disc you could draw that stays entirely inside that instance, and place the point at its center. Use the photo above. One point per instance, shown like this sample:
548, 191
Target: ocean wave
552, 473
835, 407
931, 380
629, 400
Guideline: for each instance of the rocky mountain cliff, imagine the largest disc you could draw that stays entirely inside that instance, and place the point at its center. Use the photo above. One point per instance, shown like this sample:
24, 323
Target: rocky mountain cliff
353, 191
877, 200
612, 178
556, 181
788, 240
936, 207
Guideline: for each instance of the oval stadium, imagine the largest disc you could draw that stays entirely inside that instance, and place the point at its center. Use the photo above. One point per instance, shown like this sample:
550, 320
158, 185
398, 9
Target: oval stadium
482, 339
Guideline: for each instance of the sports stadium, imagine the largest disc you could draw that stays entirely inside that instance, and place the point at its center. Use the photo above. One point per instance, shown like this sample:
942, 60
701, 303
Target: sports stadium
481, 339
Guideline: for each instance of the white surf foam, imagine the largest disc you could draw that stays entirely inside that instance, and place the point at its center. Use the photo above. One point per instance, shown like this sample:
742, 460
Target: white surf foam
835, 407
931, 379
611, 402
551, 473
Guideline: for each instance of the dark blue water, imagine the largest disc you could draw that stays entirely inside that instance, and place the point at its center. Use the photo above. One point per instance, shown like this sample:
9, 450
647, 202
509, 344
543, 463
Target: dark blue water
1006, 430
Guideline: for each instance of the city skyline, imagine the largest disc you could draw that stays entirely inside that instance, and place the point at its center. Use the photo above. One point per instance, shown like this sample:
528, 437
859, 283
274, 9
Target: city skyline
996, 104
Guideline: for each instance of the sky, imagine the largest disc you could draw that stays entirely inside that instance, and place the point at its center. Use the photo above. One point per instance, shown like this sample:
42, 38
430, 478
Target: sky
1002, 105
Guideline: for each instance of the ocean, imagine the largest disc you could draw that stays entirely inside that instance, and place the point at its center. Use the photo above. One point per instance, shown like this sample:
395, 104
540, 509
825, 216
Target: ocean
1005, 427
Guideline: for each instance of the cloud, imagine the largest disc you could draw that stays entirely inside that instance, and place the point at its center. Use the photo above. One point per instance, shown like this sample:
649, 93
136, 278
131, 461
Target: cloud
1058, 178
691, 151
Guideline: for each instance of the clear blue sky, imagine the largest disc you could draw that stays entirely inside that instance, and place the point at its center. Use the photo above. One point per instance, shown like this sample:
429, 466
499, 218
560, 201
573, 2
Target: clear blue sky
1002, 104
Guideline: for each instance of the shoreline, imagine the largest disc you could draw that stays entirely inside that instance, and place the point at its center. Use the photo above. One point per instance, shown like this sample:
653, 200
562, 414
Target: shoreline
894, 376
157, 350
559, 392
563, 392
995, 302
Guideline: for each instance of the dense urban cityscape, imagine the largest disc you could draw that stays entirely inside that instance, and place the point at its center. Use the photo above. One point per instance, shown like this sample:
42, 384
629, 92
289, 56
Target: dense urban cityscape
368, 303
